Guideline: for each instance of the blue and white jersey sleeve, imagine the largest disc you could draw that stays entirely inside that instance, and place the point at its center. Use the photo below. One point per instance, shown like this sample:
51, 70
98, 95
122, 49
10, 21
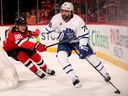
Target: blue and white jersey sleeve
82, 33
51, 28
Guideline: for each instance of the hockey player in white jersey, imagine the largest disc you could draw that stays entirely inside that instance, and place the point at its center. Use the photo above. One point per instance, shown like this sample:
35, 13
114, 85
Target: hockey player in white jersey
68, 26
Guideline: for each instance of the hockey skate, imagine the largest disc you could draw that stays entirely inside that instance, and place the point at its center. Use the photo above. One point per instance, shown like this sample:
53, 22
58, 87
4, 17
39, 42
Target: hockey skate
76, 82
40, 74
50, 71
107, 77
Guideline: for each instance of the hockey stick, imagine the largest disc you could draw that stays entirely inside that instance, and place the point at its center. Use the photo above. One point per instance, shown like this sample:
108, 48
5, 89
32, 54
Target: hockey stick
63, 41
52, 45
117, 90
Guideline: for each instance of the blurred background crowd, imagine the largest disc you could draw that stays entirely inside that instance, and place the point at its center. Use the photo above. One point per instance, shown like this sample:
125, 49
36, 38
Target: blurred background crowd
41, 11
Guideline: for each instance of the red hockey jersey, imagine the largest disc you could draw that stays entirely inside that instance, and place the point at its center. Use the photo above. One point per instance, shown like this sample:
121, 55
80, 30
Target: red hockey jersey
17, 39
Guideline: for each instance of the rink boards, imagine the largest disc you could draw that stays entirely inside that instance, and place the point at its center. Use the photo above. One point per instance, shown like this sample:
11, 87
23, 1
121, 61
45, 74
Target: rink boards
109, 41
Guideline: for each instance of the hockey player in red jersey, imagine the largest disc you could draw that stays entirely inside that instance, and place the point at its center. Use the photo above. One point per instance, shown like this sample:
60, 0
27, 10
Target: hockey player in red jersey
20, 44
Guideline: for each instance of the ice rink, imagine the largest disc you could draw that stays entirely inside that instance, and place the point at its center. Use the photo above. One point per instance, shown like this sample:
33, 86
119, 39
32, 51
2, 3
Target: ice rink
60, 85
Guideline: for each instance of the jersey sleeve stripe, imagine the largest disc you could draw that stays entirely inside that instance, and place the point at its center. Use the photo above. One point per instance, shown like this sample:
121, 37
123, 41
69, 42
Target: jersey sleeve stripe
20, 42
48, 31
84, 36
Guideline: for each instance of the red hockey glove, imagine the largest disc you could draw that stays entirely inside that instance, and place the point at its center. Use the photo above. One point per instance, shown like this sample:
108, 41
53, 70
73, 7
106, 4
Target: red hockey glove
36, 33
40, 47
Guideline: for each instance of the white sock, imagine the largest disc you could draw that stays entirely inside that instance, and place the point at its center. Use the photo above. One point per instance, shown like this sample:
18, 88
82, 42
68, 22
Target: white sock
97, 64
66, 65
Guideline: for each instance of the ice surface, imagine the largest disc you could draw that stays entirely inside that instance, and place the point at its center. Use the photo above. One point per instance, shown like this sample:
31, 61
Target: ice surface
60, 85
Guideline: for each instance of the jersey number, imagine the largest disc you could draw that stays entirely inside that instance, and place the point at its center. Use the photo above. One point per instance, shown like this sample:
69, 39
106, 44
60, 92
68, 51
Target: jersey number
84, 27
18, 36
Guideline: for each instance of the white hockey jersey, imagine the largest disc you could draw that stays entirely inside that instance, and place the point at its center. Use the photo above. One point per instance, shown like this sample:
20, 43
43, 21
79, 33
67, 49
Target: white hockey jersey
57, 25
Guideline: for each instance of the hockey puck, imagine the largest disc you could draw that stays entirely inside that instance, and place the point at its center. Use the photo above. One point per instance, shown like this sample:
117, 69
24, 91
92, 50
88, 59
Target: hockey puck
117, 92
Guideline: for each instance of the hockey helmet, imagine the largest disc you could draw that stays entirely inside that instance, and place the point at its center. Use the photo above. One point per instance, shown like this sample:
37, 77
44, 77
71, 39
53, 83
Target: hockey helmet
20, 21
67, 6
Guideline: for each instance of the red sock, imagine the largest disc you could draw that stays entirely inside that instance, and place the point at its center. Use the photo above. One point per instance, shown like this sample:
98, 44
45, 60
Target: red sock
39, 61
23, 57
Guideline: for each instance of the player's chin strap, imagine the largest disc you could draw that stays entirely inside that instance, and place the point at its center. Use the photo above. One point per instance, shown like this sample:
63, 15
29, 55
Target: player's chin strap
117, 90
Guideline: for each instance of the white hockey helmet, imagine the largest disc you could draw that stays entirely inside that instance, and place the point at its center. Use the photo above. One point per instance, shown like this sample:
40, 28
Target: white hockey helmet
67, 6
